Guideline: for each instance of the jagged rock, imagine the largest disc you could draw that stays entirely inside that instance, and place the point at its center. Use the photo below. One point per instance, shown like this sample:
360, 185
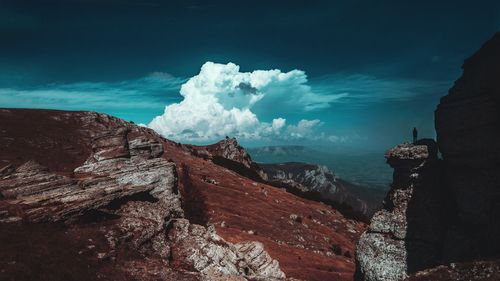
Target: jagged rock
202, 249
229, 148
405, 235
33, 193
82, 160
120, 178
229, 154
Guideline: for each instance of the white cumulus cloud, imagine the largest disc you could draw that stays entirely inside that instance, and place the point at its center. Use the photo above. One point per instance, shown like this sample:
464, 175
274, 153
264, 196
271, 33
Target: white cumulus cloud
222, 101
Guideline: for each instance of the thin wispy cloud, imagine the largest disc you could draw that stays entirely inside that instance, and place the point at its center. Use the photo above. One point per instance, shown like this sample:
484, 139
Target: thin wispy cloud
360, 89
150, 92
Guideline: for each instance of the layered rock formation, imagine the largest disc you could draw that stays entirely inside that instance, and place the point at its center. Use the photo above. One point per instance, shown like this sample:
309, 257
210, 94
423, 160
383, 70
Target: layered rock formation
445, 212
95, 197
131, 193
319, 182
208, 253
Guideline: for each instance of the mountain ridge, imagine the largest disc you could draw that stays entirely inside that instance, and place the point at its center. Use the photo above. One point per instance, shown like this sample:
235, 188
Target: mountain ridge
135, 234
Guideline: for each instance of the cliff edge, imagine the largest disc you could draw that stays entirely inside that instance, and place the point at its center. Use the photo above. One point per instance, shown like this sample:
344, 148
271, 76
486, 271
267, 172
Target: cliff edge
445, 213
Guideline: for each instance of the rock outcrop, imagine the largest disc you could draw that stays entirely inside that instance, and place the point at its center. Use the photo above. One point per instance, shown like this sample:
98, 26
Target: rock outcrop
315, 182
306, 177
229, 154
405, 236
95, 197
129, 193
202, 249
445, 213
311, 240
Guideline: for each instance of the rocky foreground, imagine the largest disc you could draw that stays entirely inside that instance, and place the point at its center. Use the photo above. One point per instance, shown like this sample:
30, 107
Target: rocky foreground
86, 196
440, 220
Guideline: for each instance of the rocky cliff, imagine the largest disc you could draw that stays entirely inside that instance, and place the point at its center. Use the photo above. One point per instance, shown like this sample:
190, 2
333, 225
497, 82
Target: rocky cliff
406, 235
467, 124
445, 211
85, 196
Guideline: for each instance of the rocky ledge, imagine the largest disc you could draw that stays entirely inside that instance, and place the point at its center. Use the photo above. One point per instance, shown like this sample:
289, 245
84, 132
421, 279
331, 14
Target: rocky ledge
441, 217
405, 235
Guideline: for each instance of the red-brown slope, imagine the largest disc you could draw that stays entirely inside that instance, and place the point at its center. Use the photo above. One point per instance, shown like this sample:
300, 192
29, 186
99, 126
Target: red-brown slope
310, 240
304, 236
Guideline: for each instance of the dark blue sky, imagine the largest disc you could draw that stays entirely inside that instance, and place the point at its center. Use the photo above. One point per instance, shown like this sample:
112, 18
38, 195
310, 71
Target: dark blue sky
382, 65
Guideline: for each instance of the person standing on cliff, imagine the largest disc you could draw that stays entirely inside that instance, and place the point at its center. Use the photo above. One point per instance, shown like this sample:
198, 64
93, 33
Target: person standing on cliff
415, 134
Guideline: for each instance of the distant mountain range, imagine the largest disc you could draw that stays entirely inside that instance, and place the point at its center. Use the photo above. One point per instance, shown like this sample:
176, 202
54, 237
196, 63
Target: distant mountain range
365, 169
319, 183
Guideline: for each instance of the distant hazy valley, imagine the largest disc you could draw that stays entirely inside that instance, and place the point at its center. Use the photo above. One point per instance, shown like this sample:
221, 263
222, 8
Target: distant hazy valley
366, 169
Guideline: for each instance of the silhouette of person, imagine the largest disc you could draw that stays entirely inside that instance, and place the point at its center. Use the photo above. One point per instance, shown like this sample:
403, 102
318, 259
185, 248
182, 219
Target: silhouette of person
415, 134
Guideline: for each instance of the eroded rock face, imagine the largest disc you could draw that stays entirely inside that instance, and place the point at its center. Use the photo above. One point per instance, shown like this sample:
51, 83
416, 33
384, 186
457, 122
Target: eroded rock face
405, 236
114, 212
113, 171
123, 178
205, 251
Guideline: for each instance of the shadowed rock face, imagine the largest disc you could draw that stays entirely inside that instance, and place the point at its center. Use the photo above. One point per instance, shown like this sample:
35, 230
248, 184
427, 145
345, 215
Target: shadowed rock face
468, 130
463, 271
445, 211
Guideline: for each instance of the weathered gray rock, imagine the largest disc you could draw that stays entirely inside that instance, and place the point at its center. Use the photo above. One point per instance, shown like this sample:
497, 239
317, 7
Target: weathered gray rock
113, 171
124, 197
405, 235
456, 220
202, 249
